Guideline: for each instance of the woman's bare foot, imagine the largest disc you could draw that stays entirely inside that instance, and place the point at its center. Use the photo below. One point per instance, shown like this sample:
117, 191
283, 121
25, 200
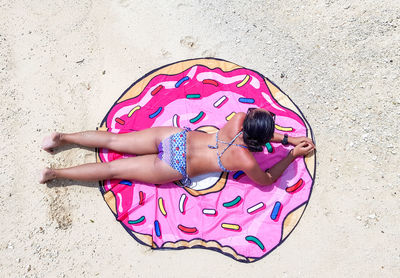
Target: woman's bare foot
46, 175
52, 141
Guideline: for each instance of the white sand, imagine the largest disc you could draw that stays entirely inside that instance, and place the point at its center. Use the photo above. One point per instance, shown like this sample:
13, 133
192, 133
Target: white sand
339, 62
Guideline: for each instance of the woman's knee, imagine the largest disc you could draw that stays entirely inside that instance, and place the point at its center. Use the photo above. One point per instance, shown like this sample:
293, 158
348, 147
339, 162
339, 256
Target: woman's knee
114, 141
112, 169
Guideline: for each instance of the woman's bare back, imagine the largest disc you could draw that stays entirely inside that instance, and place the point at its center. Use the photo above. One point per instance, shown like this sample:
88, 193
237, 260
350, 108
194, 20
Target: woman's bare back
201, 159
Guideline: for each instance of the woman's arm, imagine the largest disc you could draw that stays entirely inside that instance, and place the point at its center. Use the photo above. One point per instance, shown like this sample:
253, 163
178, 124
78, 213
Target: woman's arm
277, 137
291, 140
254, 171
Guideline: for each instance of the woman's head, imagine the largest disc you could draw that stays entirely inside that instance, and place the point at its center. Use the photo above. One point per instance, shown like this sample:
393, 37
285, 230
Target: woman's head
258, 129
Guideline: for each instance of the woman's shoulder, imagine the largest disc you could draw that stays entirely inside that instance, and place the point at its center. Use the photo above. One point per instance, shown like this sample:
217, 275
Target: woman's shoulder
240, 115
242, 158
238, 120
235, 124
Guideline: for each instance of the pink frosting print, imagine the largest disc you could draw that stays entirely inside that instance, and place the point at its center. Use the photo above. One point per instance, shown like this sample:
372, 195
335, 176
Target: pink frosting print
224, 212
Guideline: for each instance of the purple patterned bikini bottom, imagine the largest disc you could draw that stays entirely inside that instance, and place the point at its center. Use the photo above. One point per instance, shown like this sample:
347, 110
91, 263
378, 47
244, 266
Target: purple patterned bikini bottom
172, 151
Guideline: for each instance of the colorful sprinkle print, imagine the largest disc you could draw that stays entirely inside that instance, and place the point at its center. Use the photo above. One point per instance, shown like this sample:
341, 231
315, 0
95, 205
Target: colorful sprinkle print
182, 203
211, 82
138, 221
221, 211
230, 226
295, 187
189, 230
221, 101
233, 202
141, 198
275, 212
179, 83
156, 90
134, 109
256, 241
246, 100
238, 174
191, 96
161, 206
269, 147
155, 114
120, 121
175, 120
157, 228
209, 211
255, 207
198, 117
245, 80
125, 182
230, 116
282, 128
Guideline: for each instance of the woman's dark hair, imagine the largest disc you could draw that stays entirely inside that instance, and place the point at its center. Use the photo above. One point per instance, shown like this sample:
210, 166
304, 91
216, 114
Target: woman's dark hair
258, 129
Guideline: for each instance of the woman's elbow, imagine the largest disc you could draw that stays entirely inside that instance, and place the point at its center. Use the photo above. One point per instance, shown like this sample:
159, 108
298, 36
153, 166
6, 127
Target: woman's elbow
268, 179
267, 183
264, 182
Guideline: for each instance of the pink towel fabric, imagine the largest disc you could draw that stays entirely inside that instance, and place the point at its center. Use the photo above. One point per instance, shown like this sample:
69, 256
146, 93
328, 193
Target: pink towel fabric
224, 212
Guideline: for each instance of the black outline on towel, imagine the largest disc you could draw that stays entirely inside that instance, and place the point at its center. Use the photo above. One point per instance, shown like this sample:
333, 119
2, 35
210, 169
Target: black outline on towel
302, 117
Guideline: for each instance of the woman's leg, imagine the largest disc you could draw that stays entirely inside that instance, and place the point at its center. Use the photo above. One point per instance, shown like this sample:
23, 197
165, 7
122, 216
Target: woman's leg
138, 142
145, 168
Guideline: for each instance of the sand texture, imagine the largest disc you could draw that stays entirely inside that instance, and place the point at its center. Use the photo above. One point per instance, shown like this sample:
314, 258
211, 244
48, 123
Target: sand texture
64, 63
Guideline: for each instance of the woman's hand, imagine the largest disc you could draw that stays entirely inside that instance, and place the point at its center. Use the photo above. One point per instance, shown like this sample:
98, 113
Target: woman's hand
297, 140
302, 149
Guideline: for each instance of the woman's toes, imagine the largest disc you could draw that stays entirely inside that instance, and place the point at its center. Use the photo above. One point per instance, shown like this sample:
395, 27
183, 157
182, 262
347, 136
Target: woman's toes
46, 175
50, 142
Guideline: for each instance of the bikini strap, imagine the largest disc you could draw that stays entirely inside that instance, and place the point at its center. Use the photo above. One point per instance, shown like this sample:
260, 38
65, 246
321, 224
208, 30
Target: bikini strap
219, 155
239, 145
216, 143
230, 143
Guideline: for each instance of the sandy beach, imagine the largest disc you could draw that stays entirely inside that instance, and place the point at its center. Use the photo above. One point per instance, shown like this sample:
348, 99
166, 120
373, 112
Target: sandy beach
64, 63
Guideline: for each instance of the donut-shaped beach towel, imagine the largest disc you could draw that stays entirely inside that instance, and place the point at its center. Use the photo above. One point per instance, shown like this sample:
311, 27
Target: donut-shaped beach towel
224, 212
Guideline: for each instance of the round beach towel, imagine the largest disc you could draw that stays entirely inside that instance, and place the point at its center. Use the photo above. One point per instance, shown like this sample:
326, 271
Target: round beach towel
225, 212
